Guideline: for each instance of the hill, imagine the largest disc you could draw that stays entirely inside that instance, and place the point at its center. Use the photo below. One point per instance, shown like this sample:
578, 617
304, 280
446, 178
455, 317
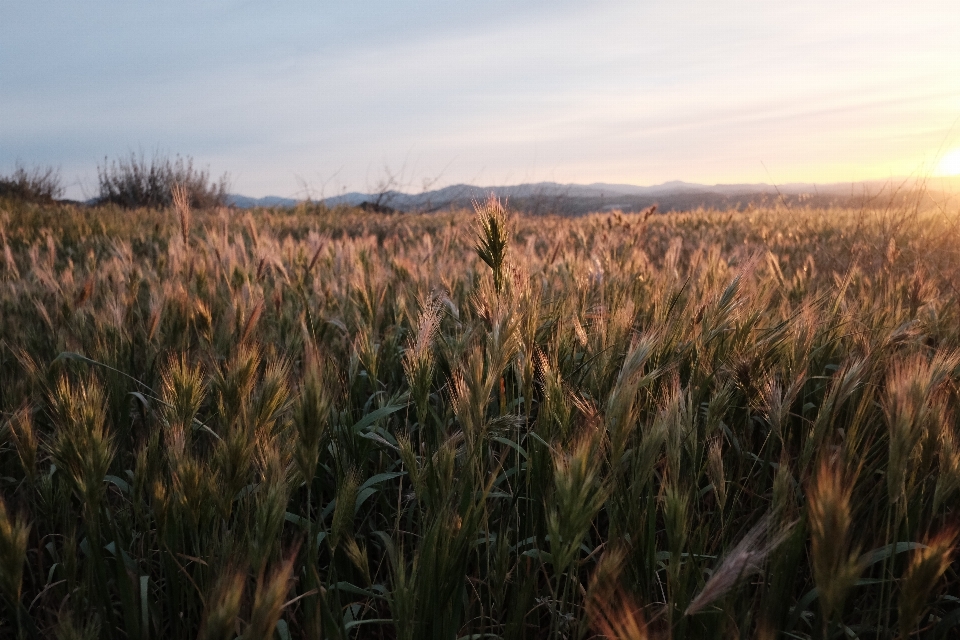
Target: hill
577, 199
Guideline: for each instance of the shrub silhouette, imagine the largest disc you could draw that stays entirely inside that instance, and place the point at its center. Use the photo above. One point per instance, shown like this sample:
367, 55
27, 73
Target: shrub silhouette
41, 184
133, 182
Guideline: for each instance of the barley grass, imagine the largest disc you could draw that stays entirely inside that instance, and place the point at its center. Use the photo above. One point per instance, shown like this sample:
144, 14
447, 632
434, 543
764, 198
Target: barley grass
315, 423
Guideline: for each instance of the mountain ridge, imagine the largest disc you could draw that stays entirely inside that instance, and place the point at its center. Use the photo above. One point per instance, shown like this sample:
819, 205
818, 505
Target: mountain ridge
573, 199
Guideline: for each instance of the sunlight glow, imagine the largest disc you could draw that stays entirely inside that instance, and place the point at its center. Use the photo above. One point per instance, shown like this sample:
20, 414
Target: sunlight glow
950, 164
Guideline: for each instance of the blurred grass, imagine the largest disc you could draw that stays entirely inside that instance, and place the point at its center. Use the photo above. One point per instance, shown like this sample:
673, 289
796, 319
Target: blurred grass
320, 422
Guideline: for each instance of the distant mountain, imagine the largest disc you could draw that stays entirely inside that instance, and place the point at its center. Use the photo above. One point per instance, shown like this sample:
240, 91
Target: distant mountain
576, 199
244, 202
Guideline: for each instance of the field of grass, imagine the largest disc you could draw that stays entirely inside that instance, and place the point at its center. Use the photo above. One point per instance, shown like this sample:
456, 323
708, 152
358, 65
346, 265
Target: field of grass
321, 423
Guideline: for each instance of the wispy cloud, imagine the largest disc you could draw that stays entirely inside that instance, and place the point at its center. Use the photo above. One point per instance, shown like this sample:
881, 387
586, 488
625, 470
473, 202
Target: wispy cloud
614, 91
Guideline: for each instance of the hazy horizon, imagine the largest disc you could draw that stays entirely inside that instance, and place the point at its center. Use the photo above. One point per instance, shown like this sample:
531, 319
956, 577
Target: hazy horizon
319, 98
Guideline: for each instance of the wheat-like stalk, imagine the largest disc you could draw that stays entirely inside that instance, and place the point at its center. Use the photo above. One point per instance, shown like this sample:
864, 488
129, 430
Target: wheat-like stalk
626, 409
927, 566
834, 560
181, 202
493, 238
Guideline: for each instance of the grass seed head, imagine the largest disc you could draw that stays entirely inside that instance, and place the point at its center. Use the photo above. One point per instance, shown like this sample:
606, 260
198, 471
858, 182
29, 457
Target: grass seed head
913, 413
675, 500
25, 442
268, 601
835, 567
182, 391
492, 238
948, 476
343, 512
579, 493
715, 471
311, 413
13, 552
612, 613
82, 446
270, 510
745, 559
223, 607
418, 360
181, 202
927, 566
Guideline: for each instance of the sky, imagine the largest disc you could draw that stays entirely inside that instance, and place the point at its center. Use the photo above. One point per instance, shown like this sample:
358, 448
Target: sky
319, 98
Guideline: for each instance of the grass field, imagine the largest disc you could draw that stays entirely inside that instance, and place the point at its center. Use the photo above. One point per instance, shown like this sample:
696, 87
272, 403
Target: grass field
323, 423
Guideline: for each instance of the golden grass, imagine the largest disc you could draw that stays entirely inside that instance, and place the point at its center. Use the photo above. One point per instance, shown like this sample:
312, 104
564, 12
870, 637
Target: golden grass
326, 423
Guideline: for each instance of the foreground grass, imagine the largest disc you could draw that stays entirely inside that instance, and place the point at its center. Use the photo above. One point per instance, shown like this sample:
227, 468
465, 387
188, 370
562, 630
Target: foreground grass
318, 423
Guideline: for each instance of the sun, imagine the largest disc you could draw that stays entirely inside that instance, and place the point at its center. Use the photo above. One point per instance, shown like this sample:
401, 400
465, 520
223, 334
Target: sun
949, 164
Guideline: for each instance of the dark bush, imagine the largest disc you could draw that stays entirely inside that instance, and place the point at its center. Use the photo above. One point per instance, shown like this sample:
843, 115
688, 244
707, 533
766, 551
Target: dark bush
134, 182
41, 184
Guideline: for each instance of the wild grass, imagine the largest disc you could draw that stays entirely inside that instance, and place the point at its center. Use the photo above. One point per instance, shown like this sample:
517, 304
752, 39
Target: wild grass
318, 423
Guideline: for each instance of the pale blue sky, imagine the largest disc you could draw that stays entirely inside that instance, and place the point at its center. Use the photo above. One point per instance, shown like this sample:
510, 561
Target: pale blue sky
332, 95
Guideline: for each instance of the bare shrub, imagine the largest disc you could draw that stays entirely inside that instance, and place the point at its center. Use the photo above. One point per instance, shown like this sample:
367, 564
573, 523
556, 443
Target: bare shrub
40, 184
133, 182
